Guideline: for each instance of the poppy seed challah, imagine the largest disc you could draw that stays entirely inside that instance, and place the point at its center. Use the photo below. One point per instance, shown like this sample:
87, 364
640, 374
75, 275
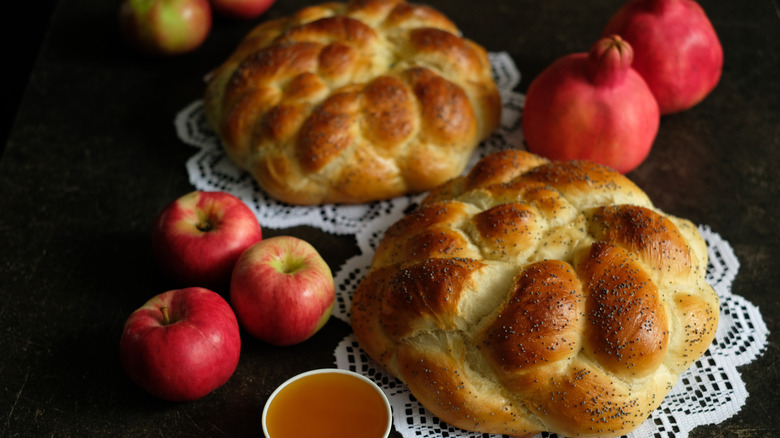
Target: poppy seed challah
531, 296
353, 102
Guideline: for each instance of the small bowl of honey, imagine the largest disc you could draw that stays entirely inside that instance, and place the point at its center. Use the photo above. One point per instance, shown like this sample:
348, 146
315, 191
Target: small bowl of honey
327, 403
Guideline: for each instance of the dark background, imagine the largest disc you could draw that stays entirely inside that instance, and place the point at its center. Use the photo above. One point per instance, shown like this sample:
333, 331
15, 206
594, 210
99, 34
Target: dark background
90, 155
31, 19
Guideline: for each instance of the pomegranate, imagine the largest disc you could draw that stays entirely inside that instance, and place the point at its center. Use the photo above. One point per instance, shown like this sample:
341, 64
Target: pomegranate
592, 106
676, 49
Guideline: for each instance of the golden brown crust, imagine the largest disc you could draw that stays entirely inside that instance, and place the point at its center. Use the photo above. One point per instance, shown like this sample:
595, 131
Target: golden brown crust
628, 331
353, 102
530, 296
539, 323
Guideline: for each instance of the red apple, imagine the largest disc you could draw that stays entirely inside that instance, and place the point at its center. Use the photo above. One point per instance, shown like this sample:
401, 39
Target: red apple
164, 27
282, 290
241, 9
197, 238
181, 345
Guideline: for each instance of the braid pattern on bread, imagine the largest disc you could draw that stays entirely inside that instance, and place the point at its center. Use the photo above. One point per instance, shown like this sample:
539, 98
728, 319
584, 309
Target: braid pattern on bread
353, 102
530, 296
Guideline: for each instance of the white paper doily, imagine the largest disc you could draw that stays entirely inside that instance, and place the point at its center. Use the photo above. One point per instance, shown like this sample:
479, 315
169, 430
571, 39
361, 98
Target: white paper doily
708, 393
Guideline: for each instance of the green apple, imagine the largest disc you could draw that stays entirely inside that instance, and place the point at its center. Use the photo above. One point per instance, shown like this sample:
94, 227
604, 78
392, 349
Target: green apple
165, 27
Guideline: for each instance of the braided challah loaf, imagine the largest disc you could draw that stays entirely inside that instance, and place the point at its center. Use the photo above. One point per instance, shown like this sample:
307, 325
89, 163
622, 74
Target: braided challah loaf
353, 102
532, 296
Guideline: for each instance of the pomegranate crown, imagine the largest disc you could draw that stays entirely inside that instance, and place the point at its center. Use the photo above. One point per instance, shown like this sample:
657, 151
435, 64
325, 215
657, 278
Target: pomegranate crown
608, 60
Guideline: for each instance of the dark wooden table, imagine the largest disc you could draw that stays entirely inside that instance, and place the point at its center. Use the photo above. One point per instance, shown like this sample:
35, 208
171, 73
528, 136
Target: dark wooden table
91, 156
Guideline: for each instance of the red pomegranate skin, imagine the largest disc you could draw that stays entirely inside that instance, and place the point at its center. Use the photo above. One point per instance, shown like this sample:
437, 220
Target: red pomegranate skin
676, 49
592, 106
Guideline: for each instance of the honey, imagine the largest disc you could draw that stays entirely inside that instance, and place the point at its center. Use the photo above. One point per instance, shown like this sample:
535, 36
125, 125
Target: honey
327, 404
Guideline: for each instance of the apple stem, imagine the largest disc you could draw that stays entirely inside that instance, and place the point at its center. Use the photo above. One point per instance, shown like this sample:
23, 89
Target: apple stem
166, 316
205, 225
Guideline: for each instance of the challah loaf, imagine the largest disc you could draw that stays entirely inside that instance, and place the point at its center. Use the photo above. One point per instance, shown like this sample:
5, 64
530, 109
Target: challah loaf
531, 296
353, 102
